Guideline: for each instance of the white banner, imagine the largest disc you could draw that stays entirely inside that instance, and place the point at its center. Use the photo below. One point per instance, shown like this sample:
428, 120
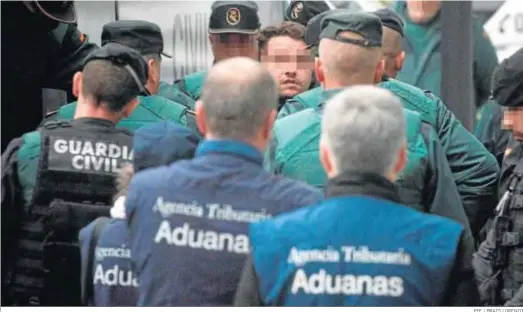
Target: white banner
505, 28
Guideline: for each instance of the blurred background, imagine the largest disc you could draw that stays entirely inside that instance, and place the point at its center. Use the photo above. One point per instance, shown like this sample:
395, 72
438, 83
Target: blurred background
184, 24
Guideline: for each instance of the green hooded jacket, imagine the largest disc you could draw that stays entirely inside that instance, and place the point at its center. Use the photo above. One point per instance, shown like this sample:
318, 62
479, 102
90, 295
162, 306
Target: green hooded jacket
172, 93
475, 170
425, 183
422, 65
191, 84
152, 108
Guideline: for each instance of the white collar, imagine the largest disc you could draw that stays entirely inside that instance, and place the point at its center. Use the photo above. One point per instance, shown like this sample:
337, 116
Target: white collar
118, 210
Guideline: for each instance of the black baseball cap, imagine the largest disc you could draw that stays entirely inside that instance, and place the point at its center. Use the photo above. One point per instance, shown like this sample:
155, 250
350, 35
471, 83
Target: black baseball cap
507, 81
312, 34
367, 25
60, 11
234, 17
126, 57
145, 37
391, 19
302, 11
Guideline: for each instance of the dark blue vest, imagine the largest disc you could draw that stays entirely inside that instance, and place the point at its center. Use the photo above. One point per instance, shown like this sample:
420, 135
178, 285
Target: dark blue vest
115, 283
189, 222
354, 251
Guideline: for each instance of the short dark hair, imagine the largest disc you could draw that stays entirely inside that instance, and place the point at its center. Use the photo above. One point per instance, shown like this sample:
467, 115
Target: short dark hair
287, 29
107, 83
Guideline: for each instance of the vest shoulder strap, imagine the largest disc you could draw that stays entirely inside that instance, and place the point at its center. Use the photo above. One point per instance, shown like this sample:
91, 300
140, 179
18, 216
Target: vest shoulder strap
53, 124
87, 269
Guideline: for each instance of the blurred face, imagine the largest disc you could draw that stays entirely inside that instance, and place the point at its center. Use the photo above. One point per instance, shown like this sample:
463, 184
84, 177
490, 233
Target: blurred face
232, 45
513, 121
290, 64
422, 11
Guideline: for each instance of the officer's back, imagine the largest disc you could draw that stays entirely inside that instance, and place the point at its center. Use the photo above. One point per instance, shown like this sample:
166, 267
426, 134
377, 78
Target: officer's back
189, 220
108, 278
66, 174
361, 246
146, 38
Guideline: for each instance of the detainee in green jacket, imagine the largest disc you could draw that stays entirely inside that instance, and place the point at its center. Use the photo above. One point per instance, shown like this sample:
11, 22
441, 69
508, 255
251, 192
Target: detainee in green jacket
146, 38
233, 30
422, 44
474, 169
426, 183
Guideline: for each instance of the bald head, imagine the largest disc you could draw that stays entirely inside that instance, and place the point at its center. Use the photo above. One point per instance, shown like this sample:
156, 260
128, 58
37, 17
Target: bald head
347, 64
238, 97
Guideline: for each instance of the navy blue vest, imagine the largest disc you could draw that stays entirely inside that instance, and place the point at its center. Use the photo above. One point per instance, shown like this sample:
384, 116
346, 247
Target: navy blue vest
115, 283
354, 251
189, 222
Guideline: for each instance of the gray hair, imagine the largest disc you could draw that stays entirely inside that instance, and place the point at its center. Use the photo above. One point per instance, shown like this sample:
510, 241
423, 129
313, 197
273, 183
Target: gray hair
238, 96
364, 128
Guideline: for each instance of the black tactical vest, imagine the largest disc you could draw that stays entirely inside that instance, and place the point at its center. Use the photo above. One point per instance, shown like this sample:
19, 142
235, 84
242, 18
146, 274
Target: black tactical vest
74, 185
508, 235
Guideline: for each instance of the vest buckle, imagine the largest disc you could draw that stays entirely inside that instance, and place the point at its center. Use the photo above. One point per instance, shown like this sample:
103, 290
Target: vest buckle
510, 239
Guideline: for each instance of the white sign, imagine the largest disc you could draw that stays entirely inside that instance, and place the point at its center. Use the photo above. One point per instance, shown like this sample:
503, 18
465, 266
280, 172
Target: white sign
505, 28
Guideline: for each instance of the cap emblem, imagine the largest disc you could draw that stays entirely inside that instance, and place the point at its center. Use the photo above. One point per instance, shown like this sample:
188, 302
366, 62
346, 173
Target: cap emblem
233, 16
296, 10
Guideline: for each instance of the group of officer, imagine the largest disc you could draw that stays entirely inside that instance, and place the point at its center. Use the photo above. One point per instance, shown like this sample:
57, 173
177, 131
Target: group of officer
144, 192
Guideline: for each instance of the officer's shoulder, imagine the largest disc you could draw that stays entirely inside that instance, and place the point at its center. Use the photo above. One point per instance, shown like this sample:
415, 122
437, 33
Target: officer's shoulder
289, 219
308, 96
292, 125
163, 106
298, 193
194, 80
30, 144
411, 94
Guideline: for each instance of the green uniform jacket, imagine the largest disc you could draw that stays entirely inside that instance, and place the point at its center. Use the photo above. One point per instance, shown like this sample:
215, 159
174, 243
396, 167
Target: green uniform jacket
192, 84
475, 170
426, 182
152, 108
422, 66
489, 129
172, 93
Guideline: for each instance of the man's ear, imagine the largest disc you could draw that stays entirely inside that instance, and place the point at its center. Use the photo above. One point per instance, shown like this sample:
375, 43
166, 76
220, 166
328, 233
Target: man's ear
200, 117
402, 159
400, 58
129, 108
318, 70
269, 124
380, 70
325, 159
77, 84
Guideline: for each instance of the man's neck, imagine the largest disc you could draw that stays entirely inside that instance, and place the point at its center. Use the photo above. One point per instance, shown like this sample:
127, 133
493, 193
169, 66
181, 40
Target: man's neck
259, 144
330, 85
89, 110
